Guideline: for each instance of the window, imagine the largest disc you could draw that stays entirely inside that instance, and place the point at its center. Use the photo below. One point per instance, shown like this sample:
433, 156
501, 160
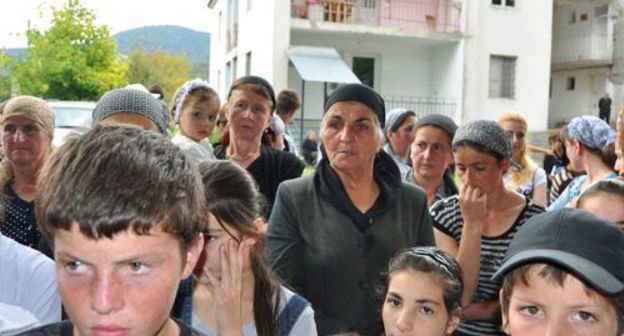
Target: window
234, 68
572, 17
502, 77
506, 3
570, 83
584, 17
248, 64
228, 75
601, 11
364, 69
220, 32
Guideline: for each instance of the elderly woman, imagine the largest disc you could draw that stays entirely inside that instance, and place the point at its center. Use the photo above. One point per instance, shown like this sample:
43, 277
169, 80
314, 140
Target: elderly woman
27, 131
331, 234
432, 156
250, 105
590, 146
477, 225
399, 136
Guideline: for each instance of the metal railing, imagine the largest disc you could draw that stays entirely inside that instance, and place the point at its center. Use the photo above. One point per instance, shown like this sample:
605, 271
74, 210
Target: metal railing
423, 15
423, 106
582, 48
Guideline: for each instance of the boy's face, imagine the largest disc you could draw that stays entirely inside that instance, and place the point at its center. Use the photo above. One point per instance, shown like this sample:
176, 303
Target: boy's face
121, 286
546, 308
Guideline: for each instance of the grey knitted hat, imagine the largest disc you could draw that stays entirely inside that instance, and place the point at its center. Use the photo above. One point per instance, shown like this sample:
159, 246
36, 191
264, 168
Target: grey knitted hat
485, 133
130, 101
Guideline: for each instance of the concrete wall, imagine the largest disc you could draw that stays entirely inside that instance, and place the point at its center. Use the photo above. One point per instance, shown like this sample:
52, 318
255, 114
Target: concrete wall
403, 67
590, 85
524, 32
263, 31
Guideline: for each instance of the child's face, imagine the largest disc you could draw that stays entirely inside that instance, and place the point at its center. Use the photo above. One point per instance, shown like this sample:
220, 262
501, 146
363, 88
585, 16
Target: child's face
608, 206
215, 239
122, 286
198, 118
546, 308
414, 305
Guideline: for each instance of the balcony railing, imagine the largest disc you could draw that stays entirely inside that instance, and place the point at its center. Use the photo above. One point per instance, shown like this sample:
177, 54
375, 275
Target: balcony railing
582, 48
423, 15
423, 106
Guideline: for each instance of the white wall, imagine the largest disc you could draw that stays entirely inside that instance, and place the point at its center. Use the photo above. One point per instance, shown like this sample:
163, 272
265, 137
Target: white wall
591, 84
523, 31
264, 31
404, 67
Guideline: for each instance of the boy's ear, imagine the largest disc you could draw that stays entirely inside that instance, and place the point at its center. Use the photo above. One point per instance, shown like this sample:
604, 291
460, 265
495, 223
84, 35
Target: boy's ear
505, 321
193, 252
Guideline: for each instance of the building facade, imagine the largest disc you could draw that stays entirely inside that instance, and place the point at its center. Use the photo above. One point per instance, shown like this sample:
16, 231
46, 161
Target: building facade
465, 59
586, 58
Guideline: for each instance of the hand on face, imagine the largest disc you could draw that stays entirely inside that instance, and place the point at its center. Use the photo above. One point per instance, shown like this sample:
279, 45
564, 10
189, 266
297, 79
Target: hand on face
227, 291
472, 201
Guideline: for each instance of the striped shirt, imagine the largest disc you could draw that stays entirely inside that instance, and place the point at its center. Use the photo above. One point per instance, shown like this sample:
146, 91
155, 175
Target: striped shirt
447, 219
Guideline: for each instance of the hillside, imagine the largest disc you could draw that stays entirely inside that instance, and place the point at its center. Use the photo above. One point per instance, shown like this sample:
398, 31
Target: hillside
171, 39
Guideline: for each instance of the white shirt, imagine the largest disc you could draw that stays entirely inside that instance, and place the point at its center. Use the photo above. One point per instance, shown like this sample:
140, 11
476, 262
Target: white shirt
196, 151
15, 320
28, 280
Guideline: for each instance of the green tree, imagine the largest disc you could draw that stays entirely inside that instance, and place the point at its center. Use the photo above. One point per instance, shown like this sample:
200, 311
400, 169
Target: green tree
5, 76
73, 60
157, 67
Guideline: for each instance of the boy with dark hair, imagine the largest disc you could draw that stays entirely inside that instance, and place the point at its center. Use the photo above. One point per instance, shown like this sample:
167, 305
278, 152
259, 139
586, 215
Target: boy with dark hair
288, 102
564, 275
122, 208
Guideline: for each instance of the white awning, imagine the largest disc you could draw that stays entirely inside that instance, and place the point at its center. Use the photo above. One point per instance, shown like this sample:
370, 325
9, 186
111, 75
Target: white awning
317, 64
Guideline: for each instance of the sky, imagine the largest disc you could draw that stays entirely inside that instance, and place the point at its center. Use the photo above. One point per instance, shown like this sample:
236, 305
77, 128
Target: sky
119, 15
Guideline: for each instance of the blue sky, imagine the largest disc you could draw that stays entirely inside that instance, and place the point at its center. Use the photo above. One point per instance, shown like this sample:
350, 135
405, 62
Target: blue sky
119, 15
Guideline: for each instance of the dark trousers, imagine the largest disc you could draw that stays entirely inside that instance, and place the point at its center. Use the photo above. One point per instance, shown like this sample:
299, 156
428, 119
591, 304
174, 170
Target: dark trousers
605, 115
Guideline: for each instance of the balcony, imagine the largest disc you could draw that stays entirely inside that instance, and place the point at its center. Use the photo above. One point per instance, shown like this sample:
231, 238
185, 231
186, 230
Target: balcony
442, 16
582, 51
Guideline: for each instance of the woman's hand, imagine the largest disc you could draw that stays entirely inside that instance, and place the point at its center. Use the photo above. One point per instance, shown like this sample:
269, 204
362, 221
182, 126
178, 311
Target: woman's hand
472, 203
227, 291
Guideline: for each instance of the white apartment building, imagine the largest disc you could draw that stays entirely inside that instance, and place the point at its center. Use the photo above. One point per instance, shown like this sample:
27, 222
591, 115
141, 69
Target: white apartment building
467, 59
587, 58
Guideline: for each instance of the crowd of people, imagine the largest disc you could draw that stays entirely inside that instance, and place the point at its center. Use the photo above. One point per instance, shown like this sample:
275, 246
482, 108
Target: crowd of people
386, 223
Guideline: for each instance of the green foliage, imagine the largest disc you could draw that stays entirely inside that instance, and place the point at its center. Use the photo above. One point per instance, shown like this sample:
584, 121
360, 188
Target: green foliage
168, 71
5, 76
73, 60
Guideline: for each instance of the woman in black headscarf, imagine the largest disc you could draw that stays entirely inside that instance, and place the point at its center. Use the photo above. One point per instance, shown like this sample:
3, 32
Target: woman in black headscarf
331, 234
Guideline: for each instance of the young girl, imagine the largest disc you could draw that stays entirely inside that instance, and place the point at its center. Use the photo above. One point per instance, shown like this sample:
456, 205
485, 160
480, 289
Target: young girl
423, 293
477, 225
195, 108
235, 289
527, 179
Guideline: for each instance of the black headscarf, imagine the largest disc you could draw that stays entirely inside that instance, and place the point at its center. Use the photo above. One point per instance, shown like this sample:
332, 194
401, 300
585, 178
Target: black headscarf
362, 94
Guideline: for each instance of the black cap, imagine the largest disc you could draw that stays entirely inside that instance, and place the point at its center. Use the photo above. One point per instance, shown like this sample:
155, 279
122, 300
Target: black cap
583, 244
255, 80
362, 94
445, 123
